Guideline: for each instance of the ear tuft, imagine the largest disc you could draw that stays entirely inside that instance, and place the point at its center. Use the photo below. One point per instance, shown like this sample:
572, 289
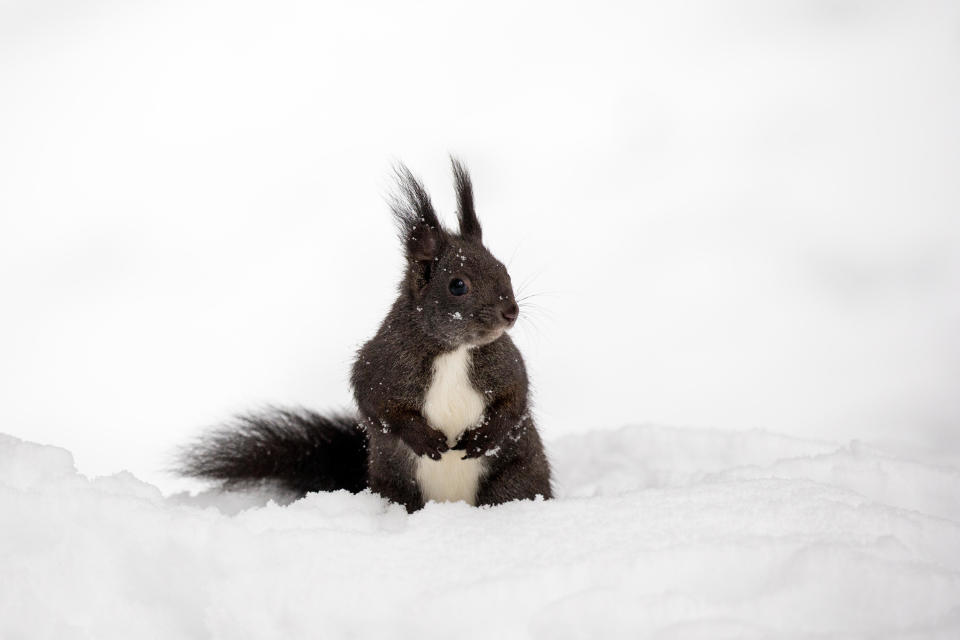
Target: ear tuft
417, 223
466, 214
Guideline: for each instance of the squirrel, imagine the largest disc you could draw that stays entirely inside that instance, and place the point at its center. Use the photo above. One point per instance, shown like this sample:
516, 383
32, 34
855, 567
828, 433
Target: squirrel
441, 390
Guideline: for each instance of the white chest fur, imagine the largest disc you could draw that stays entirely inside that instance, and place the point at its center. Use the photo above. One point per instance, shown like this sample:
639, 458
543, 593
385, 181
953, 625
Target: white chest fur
451, 405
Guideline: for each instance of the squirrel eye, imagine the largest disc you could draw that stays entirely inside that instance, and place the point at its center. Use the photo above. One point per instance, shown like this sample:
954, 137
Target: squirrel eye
458, 287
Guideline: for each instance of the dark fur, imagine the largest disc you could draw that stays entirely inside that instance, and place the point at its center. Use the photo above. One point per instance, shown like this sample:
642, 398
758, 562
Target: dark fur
393, 371
301, 450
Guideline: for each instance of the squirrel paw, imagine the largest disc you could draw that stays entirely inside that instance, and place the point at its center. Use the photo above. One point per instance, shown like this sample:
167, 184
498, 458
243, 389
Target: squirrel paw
426, 442
474, 443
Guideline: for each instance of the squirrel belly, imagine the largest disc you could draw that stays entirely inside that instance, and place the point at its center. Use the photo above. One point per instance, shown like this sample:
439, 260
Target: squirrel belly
451, 405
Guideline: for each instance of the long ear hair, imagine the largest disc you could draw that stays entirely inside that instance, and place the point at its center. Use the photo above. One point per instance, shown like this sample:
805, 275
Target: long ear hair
466, 214
417, 224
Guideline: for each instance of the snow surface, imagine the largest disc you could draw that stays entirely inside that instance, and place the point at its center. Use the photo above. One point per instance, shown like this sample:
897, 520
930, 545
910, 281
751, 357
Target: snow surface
657, 533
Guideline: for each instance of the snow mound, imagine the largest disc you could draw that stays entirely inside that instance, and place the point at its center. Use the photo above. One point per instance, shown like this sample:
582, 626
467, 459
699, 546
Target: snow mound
658, 532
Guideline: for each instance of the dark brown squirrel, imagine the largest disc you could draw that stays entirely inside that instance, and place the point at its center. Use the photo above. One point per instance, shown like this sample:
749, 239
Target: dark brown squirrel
441, 388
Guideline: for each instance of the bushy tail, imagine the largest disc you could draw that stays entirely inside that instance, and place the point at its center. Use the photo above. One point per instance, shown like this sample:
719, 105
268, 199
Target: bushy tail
298, 449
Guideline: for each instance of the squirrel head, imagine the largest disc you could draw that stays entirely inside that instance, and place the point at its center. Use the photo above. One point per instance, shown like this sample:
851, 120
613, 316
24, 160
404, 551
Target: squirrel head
457, 292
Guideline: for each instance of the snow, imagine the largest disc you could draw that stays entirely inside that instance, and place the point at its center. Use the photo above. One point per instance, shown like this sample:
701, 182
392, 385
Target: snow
657, 532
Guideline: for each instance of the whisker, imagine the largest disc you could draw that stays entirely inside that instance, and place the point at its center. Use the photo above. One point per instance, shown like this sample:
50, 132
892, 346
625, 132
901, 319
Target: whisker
534, 313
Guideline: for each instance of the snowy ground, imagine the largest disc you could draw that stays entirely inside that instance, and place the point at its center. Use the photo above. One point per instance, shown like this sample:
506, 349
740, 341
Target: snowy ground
658, 532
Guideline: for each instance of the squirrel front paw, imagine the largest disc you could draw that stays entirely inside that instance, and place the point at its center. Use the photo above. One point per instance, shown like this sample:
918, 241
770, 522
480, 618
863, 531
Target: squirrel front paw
474, 443
426, 442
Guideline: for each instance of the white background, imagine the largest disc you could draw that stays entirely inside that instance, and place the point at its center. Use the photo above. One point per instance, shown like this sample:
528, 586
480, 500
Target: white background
737, 215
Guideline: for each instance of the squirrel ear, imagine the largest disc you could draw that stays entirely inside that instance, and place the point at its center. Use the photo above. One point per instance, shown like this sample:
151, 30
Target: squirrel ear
417, 223
469, 224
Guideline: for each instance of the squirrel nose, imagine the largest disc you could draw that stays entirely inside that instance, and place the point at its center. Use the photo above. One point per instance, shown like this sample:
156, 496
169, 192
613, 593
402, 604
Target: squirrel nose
511, 312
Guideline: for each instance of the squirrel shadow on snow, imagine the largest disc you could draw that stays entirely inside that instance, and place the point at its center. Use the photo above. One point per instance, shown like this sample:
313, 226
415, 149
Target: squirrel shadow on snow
441, 390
